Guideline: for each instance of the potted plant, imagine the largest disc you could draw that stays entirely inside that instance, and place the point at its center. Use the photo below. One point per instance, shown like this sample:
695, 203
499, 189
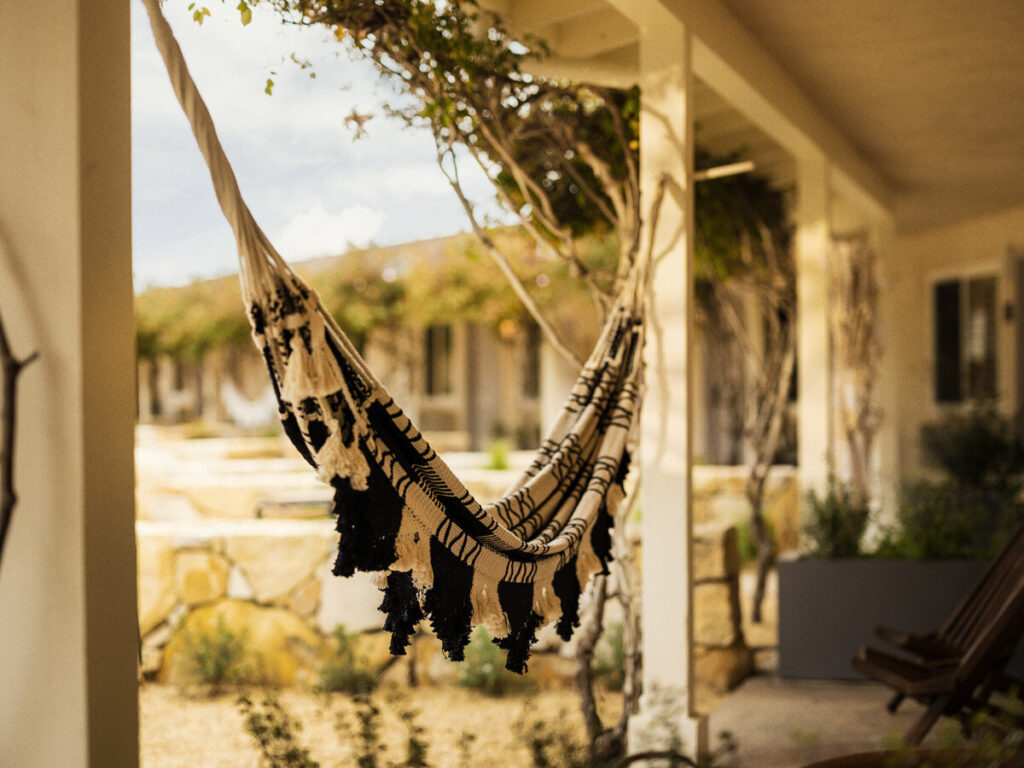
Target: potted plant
831, 598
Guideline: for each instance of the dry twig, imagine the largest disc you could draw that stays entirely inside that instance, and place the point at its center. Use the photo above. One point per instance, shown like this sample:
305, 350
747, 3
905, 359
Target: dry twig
10, 367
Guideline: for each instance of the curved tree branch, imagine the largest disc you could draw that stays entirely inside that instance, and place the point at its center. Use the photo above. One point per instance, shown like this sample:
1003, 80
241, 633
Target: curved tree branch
10, 368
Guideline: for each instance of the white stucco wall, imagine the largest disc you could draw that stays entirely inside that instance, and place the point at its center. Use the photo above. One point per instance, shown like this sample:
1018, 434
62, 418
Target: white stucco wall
972, 247
67, 585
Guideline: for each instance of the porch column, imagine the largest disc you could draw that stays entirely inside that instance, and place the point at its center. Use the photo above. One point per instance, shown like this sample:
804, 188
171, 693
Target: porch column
666, 150
814, 354
68, 690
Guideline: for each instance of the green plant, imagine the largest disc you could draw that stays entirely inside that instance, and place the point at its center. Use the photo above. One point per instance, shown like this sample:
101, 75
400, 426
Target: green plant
746, 542
976, 449
484, 666
992, 739
835, 522
497, 454
216, 655
609, 657
274, 731
937, 521
344, 669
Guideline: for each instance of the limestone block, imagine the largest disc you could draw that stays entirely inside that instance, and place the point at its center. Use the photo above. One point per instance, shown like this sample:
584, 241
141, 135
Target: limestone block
200, 576
782, 507
238, 586
715, 618
156, 580
275, 563
305, 599
729, 507
351, 601
715, 552
549, 670
232, 501
722, 669
279, 648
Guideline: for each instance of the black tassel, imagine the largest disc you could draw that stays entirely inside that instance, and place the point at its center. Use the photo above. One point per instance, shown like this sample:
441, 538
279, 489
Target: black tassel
601, 537
517, 602
368, 522
567, 588
402, 606
448, 602
623, 471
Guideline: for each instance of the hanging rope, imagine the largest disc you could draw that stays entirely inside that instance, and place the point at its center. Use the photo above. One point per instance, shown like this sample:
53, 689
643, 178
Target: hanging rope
437, 553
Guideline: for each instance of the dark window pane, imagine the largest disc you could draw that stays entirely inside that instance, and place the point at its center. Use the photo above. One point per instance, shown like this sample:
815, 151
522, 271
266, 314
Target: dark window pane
980, 346
947, 342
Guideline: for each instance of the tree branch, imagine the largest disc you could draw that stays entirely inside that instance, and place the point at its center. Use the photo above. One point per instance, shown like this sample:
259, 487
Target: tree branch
10, 367
548, 330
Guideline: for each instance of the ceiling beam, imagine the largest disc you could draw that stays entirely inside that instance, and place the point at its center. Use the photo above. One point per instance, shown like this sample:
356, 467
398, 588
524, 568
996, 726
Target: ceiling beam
537, 15
597, 33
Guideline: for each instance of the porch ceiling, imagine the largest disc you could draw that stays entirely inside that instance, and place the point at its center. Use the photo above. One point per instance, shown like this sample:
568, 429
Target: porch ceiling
929, 93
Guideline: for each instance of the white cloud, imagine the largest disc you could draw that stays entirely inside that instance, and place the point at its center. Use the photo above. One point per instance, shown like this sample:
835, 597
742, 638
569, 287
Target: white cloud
318, 232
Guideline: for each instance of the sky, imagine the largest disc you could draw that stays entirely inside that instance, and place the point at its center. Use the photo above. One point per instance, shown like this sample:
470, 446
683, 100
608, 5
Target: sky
313, 189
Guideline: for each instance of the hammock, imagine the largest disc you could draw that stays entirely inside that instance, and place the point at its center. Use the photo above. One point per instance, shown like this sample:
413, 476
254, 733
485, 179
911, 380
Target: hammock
514, 565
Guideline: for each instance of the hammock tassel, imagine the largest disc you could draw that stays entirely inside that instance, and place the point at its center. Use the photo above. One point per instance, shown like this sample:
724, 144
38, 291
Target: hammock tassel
487, 609
545, 602
311, 370
412, 552
335, 459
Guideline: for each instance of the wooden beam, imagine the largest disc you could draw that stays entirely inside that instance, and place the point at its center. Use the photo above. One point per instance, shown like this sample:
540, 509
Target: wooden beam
597, 33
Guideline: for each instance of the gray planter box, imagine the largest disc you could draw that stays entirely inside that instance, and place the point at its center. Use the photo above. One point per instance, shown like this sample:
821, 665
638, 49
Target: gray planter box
828, 608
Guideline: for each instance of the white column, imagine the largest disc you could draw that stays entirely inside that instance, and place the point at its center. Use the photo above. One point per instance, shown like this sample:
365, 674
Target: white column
814, 355
666, 715
68, 691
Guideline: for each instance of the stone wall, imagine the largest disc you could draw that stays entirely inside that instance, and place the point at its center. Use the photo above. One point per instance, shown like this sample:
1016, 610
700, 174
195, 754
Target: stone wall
718, 497
270, 581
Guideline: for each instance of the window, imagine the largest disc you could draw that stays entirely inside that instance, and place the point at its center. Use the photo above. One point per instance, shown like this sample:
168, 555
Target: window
438, 341
965, 339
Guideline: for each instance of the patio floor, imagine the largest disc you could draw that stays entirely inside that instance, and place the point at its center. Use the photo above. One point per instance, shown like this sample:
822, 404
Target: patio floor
790, 723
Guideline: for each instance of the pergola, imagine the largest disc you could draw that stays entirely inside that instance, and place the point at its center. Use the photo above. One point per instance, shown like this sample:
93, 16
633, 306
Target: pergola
889, 118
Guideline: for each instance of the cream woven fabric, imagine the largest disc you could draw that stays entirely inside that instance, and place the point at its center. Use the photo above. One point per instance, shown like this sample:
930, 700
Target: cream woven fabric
513, 565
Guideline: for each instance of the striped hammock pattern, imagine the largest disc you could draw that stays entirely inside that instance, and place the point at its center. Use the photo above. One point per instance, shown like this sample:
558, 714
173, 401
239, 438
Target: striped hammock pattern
437, 553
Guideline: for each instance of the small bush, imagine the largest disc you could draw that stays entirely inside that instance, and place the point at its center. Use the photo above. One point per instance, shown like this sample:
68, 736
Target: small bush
344, 670
976, 449
216, 655
835, 523
746, 541
938, 521
484, 666
274, 731
610, 658
497, 455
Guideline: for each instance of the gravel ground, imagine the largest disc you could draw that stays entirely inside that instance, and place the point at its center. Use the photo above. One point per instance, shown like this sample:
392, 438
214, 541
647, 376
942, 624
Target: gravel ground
185, 731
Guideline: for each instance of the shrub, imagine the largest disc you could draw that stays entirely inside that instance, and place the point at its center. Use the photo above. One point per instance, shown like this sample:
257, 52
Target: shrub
609, 657
344, 670
216, 655
274, 731
484, 666
497, 454
976, 449
939, 521
835, 523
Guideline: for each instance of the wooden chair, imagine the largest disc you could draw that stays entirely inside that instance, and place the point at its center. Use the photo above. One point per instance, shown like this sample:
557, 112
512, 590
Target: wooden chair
974, 612
961, 684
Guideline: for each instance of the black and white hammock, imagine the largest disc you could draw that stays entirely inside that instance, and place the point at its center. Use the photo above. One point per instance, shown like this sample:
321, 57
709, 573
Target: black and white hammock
514, 565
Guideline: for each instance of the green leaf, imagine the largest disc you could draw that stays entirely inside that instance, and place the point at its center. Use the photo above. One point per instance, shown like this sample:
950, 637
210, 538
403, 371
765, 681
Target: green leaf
269, 90
246, 13
199, 14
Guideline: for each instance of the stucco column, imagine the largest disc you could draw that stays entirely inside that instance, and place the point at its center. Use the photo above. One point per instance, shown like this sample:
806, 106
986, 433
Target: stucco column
68, 691
814, 355
666, 715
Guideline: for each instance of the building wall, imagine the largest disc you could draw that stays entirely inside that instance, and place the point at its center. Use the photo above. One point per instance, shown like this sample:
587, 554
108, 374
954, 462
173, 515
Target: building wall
975, 246
67, 586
